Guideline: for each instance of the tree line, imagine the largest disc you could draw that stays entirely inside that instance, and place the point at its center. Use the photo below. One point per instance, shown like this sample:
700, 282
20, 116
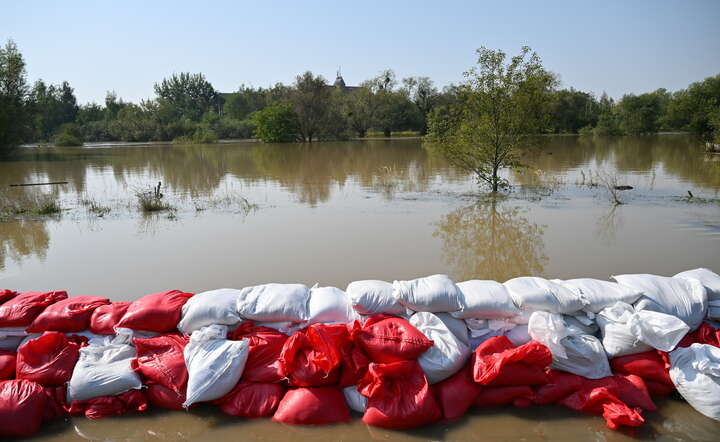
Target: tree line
187, 108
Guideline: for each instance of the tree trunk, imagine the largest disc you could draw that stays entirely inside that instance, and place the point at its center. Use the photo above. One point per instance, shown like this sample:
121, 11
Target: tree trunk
495, 180
386, 133
361, 133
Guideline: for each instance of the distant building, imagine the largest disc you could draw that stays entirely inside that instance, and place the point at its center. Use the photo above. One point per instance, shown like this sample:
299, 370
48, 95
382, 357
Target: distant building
340, 84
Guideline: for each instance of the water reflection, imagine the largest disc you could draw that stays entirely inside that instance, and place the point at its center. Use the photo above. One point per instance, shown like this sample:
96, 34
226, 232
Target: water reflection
492, 240
22, 239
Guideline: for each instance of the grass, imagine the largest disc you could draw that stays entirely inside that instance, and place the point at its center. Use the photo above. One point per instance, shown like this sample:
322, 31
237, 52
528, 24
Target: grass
29, 203
151, 200
400, 134
95, 207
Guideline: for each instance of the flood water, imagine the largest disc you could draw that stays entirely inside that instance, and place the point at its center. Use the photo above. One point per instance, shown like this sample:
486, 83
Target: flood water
332, 213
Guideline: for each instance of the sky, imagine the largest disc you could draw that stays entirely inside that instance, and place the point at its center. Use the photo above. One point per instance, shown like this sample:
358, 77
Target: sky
613, 46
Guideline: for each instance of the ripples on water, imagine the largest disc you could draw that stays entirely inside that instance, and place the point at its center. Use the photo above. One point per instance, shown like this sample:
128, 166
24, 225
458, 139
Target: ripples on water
336, 212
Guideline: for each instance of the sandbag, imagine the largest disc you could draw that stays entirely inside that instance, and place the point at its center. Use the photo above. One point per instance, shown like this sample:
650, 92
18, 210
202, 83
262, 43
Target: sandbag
389, 339
436, 293
274, 302
484, 300
251, 400
264, 348
11, 337
561, 384
104, 318
355, 401
159, 312
160, 360
48, 360
214, 364
601, 401
21, 310
456, 394
162, 397
597, 294
456, 326
211, 307
628, 331
67, 315
519, 396
103, 370
647, 365
398, 396
683, 298
312, 406
330, 305
354, 365
6, 295
7, 364
518, 335
447, 355
531, 293
106, 406
312, 357
497, 357
695, 372
580, 354
371, 297
709, 279
705, 334
22, 406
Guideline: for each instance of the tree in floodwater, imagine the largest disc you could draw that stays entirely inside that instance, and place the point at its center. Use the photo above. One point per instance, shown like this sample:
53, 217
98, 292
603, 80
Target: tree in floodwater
310, 99
191, 95
276, 123
491, 240
503, 102
422, 92
14, 113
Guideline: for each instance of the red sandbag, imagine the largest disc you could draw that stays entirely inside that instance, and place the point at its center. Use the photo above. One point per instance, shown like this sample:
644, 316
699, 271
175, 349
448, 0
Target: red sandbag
159, 312
519, 395
311, 357
265, 347
398, 396
6, 295
313, 406
56, 402
456, 394
49, 359
160, 360
600, 401
251, 400
521, 363
658, 389
69, 315
648, 365
634, 392
105, 317
560, 384
106, 406
354, 366
705, 334
388, 339
22, 406
163, 397
21, 310
7, 364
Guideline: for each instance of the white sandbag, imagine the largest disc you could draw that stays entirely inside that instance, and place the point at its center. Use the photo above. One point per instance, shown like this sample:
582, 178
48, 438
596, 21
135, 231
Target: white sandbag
211, 307
695, 372
436, 293
103, 370
531, 293
519, 335
484, 299
580, 354
283, 327
330, 305
274, 302
597, 294
447, 355
580, 324
354, 399
214, 363
709, 279
714, 309
684, 298
456, 326
626, 331
11, 337
371, 296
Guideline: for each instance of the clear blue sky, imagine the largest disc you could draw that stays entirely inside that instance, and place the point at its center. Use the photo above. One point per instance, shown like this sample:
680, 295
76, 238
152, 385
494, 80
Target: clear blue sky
126, 46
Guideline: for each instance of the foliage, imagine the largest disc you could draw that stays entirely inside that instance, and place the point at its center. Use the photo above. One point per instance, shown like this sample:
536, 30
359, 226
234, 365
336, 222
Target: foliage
239, 105
310, 99
53, 106
201, 135
641, 114
573, 110
189, 95
14, 113
504, 101
68, 135
693, 108
422, 92
276, 123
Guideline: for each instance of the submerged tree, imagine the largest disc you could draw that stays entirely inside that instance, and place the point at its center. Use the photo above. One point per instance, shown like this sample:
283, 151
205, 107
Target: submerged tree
310, 99
14, 113
422, 92
190, 94
503, 102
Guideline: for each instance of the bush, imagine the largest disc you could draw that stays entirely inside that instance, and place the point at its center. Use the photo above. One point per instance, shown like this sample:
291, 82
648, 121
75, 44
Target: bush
201, 135
275, 124
229, 127
68, 135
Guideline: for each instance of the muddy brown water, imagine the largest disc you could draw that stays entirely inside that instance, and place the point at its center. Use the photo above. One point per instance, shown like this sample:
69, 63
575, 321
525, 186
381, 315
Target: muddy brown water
336, 212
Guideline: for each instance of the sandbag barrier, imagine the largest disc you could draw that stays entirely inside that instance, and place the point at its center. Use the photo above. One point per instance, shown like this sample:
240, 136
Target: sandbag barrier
403, 355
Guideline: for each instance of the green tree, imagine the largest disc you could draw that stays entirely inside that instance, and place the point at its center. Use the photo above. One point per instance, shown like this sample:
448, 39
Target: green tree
276, 123
310, 99
642, 114
245, 101
190, 94
68, 134
360, 107
503, 102
53, 106
573, 110
692, 109
422, 92
14, 112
